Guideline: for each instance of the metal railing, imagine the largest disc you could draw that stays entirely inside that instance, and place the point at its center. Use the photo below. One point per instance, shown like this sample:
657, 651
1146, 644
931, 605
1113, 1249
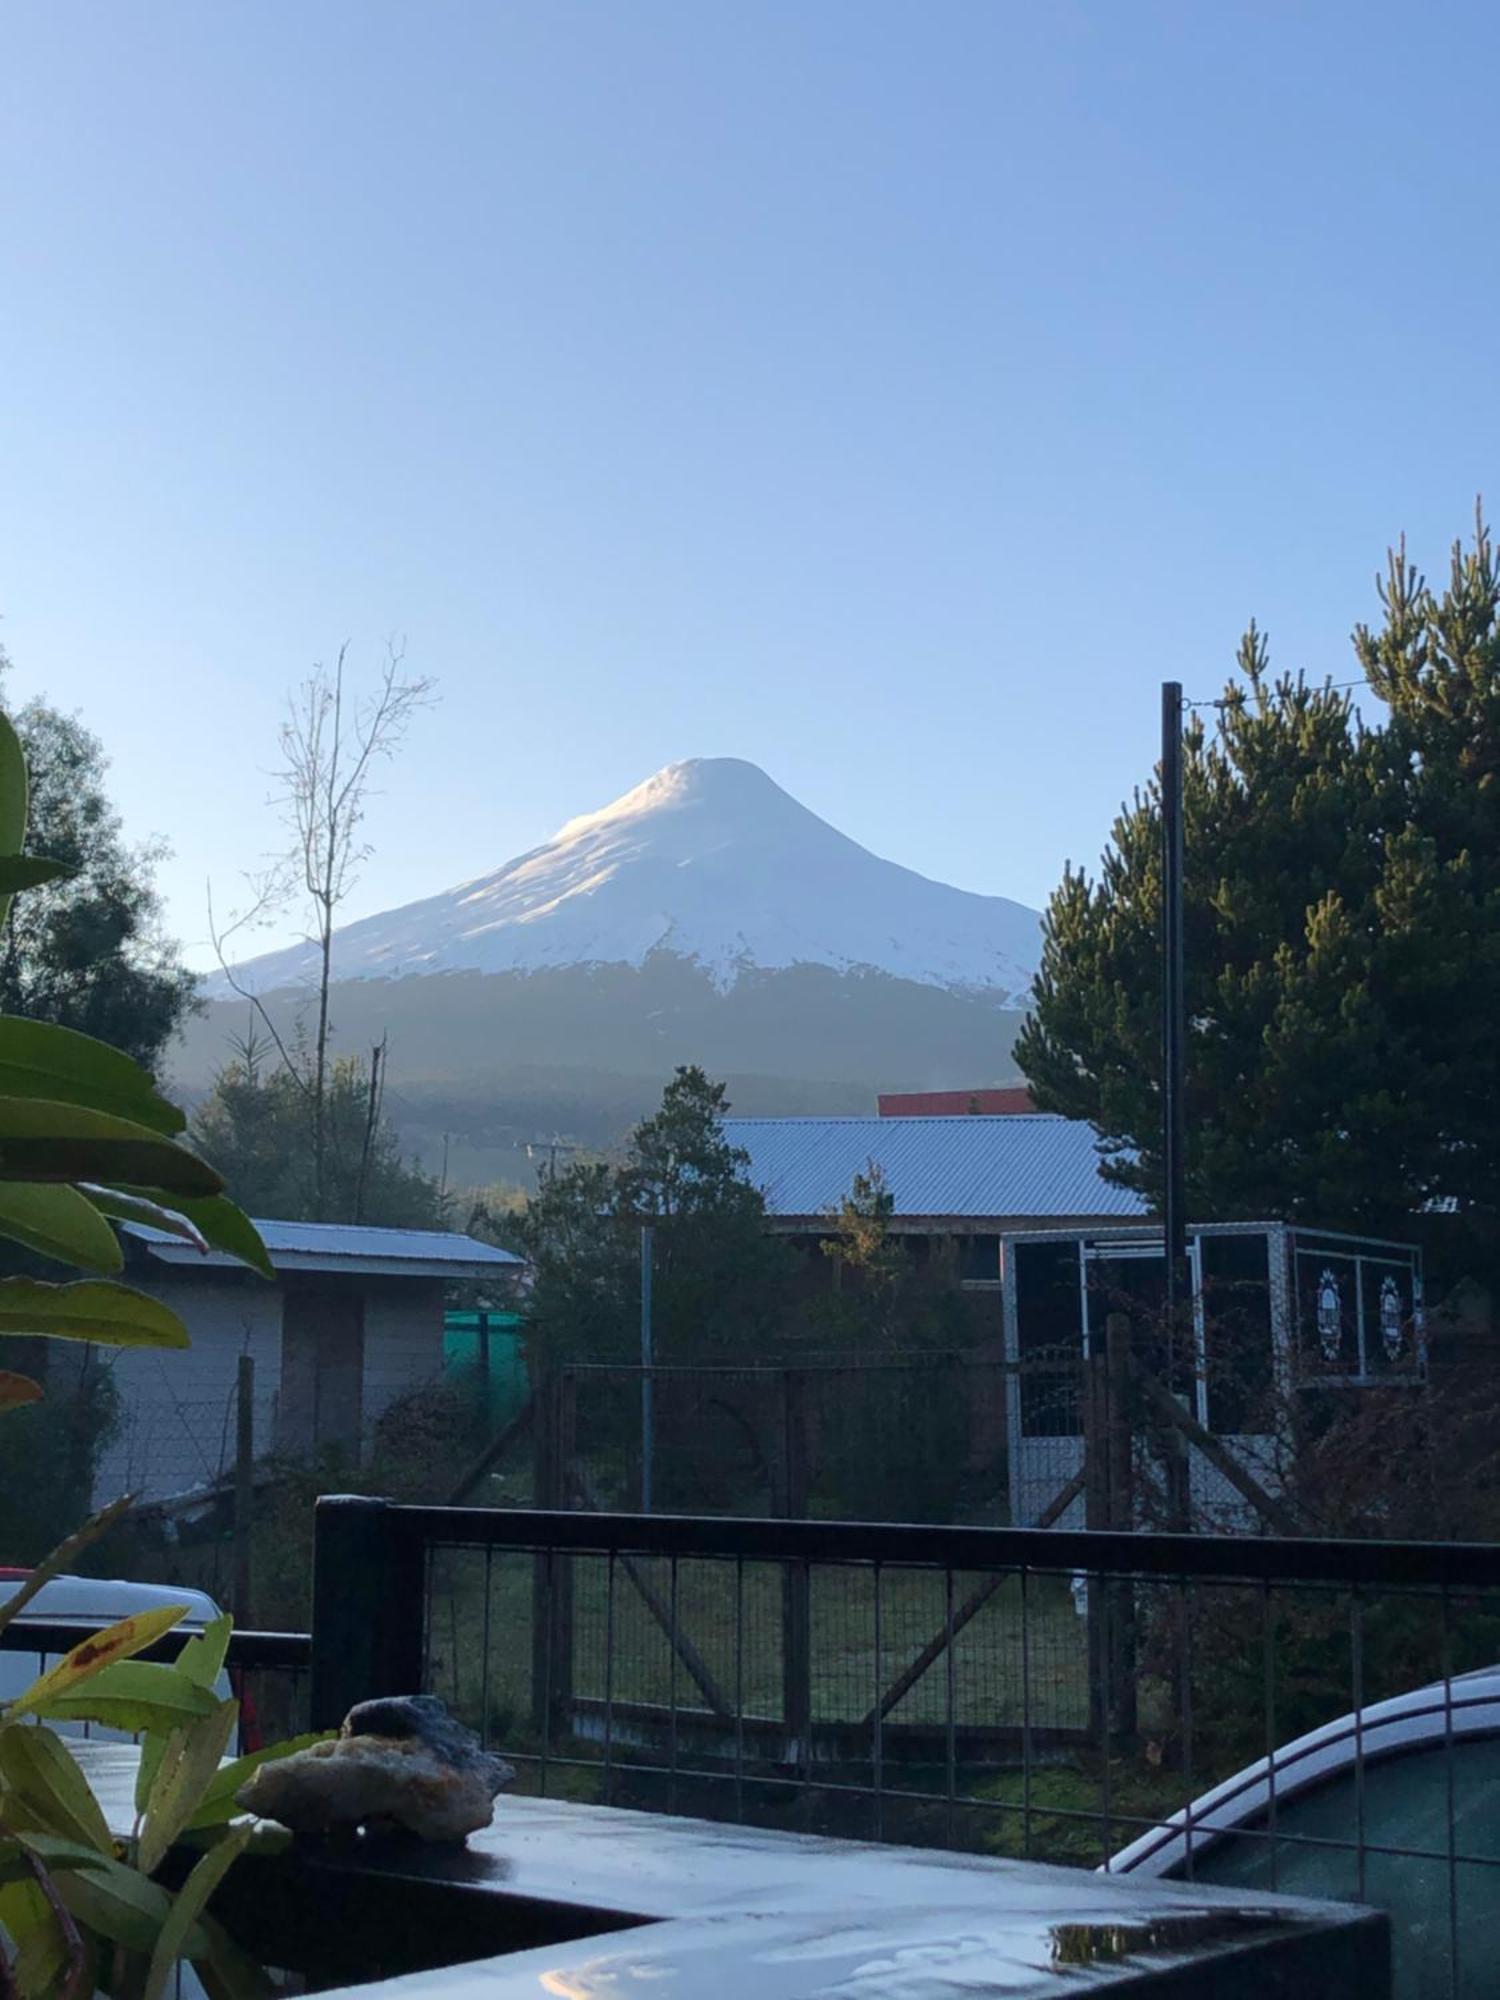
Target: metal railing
1042, 1693
270, 1672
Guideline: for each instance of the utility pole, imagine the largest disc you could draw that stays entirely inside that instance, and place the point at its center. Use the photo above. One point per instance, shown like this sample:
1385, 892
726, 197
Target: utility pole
1179, 1302
647, 1413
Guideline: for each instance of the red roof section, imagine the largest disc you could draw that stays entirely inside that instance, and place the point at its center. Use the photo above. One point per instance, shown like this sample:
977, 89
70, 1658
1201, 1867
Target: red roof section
1012, 1101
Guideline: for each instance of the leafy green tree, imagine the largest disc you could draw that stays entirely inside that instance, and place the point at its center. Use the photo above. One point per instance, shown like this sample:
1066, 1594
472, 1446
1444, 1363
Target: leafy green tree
1342, 917
886, 1301
87, 950
86, 1141
892, 1440
865, 1252
257, 1125
719, 1277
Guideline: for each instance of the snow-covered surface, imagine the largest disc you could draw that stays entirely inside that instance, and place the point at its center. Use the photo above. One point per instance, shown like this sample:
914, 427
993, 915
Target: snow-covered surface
710, 860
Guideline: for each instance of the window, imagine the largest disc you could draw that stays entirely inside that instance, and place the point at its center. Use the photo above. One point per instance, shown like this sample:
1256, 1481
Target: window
1406, 1805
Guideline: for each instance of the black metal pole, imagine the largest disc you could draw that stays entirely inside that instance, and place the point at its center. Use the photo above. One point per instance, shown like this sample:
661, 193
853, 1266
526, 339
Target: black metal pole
1173, 1044
1173, 1012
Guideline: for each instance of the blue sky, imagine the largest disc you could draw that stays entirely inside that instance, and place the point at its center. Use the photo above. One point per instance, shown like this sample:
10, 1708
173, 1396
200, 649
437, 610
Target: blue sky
891, 394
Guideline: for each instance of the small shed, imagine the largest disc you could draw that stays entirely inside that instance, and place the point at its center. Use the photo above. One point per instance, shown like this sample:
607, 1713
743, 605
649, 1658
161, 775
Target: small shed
1275, 1306
353, 1321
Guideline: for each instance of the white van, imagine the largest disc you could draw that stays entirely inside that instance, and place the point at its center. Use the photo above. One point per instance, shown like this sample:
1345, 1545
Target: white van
90, 1602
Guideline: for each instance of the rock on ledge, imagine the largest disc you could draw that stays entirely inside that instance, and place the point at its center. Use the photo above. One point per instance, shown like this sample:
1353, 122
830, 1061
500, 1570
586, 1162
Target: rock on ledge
400, 1764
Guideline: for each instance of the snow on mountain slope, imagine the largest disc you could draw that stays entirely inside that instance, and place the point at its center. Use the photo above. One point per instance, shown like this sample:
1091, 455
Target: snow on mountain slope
710, 860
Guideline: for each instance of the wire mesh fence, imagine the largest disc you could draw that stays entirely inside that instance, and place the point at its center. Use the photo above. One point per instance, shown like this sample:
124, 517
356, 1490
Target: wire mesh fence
1307, 1716
919, 1438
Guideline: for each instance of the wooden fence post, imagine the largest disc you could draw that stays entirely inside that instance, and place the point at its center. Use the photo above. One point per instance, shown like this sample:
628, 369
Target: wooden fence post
244, 1488
369, 1606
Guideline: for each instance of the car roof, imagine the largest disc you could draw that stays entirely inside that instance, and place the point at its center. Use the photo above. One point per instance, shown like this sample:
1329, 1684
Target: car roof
102, 1600
1467, 1705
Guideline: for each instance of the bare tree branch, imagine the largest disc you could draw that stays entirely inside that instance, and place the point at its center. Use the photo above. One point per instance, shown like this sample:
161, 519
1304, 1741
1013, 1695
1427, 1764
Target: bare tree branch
330, 745
329, 752
264, 899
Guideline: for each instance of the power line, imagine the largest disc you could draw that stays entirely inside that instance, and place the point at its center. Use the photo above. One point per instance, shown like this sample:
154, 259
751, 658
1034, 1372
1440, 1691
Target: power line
1234, 700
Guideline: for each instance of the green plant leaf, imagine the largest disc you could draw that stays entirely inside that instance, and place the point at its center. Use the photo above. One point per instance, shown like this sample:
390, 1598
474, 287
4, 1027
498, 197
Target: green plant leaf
187, 1906
200, 1663
221, 1224
40, 1060
17, 1390
13, 1869
58, 1222
218, 1803
202, 1658
92, 1655
28, 871
187, 1765
120, 1904
14, 797
63, 1554
42, 1140
154, 1741
91, 1309
123, 1207
138, 1696
56, 1853
39, 1772
41, 1955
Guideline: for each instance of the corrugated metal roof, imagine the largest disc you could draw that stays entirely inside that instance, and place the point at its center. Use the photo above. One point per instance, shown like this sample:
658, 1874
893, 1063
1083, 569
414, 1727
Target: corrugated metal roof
1034, 1165
335, 1245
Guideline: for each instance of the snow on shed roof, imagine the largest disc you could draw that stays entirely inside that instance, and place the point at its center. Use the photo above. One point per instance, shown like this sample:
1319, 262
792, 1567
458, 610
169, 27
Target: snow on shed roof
1031, 1166
340, 1246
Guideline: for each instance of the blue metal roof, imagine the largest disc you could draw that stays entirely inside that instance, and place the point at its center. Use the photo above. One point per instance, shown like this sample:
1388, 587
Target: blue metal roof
1033, 1166
325, 1246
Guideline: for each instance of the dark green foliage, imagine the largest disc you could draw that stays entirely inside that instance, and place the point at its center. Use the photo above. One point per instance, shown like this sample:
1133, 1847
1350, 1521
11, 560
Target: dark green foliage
1343, 938
720, 1278
412, 1454
1436, 661
88, 952
52, 1451
257, 1128
892, 1443
885, 1298
892, 1440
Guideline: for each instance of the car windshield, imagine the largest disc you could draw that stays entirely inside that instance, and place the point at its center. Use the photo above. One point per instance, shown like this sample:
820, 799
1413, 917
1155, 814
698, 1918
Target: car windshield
1402, 1808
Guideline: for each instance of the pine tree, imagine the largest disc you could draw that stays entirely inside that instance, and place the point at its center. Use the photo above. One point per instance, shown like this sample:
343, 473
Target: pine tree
720, 1277
1342, 917
256, 1123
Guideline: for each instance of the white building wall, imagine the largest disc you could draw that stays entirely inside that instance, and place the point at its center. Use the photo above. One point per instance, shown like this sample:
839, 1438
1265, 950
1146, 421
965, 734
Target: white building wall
177, 1430
178, 1404
403, 1341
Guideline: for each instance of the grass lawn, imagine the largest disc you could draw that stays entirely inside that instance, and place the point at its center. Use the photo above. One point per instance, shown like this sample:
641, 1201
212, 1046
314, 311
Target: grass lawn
864, 1632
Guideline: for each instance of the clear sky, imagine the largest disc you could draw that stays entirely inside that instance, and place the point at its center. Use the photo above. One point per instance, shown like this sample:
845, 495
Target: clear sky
890, 394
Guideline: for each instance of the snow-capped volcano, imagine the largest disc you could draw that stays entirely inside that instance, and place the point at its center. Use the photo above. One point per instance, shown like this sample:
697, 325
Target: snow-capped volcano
713, 862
